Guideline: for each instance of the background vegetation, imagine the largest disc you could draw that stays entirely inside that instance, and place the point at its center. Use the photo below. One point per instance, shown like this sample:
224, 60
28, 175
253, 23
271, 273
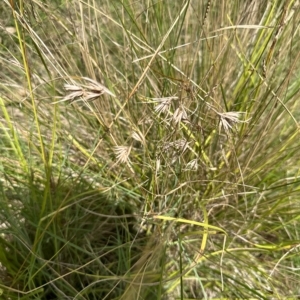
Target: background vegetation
149, 149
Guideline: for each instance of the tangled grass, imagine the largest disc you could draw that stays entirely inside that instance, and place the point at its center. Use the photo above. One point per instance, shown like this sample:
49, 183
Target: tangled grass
149, 149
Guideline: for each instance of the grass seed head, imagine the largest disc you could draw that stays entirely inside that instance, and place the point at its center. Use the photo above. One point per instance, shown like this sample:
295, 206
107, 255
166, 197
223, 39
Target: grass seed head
90, 91
163, 104
229, 119
122, 153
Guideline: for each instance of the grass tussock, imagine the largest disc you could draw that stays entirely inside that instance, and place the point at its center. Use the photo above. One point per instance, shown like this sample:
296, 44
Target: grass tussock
149, 149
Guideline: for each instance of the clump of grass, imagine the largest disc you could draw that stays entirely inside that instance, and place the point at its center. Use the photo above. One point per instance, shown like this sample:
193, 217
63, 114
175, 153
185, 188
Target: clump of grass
149, 150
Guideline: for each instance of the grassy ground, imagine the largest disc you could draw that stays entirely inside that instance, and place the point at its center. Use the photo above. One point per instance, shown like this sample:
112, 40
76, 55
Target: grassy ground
149, 149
